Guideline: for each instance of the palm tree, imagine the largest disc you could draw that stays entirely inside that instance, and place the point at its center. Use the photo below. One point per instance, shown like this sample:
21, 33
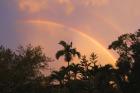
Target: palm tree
59, 75
68, 52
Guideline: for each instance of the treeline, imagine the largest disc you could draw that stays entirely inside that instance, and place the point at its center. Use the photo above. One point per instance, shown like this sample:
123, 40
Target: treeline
20, 70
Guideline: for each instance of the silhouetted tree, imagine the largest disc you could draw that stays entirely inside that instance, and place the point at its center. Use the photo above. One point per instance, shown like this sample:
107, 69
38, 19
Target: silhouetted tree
75, 69
7, 62
93, 59
105, 80
20, 70
128, 48
68, 52
88, 65
59, 76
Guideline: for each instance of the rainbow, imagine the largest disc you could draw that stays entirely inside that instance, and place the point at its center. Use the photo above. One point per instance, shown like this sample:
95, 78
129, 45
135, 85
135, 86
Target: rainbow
46, 22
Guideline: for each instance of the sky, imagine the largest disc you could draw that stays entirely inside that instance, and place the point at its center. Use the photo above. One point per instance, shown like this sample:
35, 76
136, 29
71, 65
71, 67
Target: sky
90, 24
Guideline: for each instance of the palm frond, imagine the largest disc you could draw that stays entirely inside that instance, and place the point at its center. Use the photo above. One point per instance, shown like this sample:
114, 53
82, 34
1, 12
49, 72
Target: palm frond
78, 54
70, 44
63, 43
59, 53
73, 51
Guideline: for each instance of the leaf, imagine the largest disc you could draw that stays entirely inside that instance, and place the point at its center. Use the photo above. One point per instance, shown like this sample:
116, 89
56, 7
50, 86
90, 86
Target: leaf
59, 53
63, 43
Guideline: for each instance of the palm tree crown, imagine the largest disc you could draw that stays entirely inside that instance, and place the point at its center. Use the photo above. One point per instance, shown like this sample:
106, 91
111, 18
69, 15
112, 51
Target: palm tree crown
68, 52
59, 75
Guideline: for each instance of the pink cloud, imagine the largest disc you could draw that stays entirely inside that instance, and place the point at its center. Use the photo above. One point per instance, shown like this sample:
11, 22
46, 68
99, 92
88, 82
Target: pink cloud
32, 5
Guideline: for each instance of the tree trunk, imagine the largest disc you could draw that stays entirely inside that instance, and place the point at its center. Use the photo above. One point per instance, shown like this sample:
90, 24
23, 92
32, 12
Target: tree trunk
61, 84
75, 74
68, 71
68, 63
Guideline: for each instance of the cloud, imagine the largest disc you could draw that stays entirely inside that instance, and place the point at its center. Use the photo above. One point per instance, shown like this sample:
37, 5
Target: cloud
86, 2
94, 2
69, 5
32, 6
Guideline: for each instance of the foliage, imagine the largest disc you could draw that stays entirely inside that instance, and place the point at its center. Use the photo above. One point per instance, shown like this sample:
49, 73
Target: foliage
20, 70
68, 52
128, 48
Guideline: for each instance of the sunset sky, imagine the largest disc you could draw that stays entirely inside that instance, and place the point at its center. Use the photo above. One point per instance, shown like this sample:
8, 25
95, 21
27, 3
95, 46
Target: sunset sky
90, 24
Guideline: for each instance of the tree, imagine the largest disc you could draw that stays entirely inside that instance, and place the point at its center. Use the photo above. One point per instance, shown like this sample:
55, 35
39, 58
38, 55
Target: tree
105, 80
7, 62
128, 48
20, 70
75, 69
59, 76
93, 59
85, 63
68, 52
88, 65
